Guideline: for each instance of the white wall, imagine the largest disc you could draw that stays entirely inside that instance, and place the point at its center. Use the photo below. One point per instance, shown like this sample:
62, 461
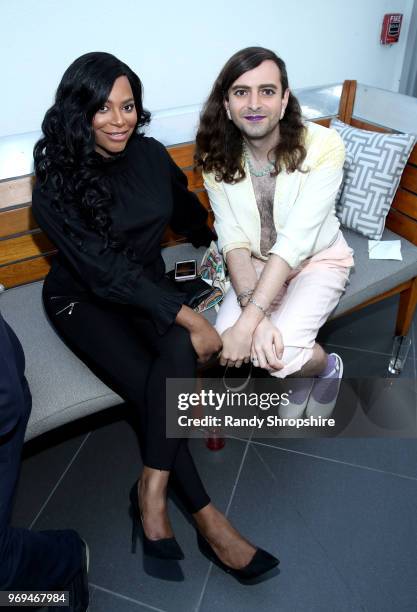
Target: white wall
177, 48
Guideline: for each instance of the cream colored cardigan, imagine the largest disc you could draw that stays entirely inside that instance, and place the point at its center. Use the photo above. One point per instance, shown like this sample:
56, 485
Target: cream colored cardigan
304, 203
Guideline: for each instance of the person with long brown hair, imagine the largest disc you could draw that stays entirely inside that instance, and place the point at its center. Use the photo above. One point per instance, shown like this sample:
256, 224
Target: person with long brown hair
272, 181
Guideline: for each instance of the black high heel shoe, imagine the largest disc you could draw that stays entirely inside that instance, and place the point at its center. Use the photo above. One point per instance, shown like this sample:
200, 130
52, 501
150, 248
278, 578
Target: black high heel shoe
260, 563
165, 548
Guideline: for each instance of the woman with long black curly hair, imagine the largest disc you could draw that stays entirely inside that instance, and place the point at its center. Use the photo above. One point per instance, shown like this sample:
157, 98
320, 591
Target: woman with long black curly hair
105, 194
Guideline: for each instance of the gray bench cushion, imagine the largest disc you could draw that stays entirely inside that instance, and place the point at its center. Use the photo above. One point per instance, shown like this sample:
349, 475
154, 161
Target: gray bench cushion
371, 277
64, 389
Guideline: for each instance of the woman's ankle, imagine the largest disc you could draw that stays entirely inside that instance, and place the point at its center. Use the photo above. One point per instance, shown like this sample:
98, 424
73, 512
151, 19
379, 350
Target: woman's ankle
214, 525
154, 508
231, 547
206, 517
154, 479
153, 482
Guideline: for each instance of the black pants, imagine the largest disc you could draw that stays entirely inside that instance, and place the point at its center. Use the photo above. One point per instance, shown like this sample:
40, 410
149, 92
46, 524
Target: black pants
125, 351
29, 560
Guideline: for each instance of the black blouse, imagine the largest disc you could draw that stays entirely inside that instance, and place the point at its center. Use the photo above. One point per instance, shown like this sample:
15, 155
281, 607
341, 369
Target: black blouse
149, 192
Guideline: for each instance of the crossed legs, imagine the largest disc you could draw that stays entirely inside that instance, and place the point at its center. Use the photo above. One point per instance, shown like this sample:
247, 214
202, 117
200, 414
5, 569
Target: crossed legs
299, 310
125, 351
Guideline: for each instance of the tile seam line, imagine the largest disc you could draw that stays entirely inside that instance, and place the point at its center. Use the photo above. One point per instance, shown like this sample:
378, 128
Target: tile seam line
126, 597
362, 350
203, 588
356, 348
331, 460
307, 525
48, 499
242, 461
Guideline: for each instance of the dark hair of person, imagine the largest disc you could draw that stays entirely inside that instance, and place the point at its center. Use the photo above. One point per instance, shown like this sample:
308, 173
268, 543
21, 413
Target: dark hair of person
65, 157
219, 144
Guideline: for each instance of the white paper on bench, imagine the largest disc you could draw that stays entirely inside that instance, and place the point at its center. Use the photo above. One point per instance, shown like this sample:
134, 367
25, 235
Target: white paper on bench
384, 249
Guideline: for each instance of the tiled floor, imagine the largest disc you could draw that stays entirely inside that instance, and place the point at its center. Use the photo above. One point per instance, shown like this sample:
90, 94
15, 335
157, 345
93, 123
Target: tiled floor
340, 513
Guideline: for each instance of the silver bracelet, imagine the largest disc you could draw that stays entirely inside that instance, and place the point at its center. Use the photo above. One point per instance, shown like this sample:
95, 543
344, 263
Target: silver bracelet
255, 303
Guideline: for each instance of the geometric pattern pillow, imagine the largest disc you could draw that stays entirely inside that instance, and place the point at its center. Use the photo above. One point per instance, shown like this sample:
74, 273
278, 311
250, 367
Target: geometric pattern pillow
345, 181
374, 164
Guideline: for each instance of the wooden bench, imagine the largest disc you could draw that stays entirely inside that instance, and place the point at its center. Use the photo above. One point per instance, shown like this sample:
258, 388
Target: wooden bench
63, 388
402, 218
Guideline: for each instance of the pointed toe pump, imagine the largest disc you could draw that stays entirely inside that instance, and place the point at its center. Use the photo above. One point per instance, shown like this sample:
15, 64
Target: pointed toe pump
165, 548
261, 562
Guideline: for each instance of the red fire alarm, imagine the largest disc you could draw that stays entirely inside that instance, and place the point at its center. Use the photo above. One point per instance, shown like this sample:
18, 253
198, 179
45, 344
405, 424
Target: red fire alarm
391, 27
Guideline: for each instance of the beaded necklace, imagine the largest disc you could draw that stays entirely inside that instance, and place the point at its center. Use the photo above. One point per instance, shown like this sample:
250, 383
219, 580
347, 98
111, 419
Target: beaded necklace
263, 171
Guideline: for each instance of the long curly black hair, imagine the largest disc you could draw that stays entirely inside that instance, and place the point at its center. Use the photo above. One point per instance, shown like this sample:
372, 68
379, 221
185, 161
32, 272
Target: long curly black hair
65, 157
219, 143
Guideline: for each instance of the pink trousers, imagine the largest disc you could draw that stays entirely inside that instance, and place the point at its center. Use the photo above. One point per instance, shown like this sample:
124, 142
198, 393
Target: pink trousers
304, 303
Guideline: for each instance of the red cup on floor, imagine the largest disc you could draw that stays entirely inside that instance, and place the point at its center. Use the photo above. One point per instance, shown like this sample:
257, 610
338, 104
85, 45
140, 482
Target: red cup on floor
215, 440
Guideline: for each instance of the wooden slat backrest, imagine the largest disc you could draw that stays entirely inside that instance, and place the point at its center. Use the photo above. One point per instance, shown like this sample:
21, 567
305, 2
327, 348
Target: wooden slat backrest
347, 101
16, 221
16, 191
25, 253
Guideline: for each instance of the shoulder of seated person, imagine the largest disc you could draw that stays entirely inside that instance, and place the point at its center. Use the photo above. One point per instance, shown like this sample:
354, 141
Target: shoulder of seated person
321, 140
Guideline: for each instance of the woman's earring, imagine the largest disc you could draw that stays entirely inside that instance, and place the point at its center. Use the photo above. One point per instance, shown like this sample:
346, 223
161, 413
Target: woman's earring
229, 116
282, 114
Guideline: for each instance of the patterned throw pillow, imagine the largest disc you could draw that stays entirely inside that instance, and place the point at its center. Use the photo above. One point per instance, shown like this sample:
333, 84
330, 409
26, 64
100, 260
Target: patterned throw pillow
372, 172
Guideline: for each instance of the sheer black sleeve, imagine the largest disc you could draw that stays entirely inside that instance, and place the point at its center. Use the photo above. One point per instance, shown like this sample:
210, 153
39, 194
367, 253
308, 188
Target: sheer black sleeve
190, 217
109, 274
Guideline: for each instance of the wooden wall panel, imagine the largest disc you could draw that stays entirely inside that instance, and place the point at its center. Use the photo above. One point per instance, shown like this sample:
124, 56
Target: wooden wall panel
16, 221
406, 202
24, 247
409, 178
347, 101
183, 155
324, 121
371, 127
25, 271
413, 157
402, 225
17, 191
195, 180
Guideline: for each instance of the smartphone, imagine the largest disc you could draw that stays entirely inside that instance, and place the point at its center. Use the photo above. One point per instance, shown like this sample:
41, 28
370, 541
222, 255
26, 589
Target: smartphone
185, 270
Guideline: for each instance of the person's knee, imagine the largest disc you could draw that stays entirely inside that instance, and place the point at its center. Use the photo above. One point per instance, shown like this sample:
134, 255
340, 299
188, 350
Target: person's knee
291, 353
294, 359
304, 360
319, 357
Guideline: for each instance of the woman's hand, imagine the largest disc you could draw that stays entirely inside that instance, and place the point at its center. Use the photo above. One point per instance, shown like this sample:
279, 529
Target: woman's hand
204, 338
267, 346
237, 342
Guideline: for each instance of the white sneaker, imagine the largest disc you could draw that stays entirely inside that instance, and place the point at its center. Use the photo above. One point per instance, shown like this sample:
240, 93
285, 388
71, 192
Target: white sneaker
325, 391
